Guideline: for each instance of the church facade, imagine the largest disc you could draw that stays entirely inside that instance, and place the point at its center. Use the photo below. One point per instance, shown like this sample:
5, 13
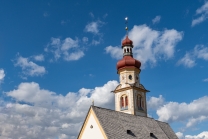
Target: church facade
129, 120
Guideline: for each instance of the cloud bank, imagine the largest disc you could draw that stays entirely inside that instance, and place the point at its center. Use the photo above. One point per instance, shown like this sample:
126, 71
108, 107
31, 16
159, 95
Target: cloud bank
40, 113
202, 135
190, 113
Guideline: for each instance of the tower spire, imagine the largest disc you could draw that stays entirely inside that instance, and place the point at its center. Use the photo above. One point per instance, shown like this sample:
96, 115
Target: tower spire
127, 44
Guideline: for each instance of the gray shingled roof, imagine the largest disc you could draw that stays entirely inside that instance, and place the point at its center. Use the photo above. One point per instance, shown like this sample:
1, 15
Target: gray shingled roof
115, 124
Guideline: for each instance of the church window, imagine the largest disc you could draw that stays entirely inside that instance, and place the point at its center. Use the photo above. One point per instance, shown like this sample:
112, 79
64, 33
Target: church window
127, 49
124, 102
130, 77
140, 103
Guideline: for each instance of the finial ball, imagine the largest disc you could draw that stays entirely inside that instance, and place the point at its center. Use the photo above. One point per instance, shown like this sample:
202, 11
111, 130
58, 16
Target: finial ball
126, 18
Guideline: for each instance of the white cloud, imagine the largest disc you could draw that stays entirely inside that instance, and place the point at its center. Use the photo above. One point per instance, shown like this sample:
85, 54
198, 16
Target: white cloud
69, 43
93, 27
39, 57
2, 75
194, 121
68, 49
155, 103
156, 19
150, 45
191, 113
46, 114
203, 135
189, 60
115, 52
180, 135
201, 52
28, 67
203, 14
73, 56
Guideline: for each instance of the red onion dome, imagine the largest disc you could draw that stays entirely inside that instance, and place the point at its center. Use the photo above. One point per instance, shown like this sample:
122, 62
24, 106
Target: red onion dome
128, 61
127, 42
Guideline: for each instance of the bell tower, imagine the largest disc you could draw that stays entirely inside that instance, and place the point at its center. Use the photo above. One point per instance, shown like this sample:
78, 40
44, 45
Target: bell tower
130, 94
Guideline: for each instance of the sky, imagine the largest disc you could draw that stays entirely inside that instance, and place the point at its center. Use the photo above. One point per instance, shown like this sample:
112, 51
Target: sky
58, 56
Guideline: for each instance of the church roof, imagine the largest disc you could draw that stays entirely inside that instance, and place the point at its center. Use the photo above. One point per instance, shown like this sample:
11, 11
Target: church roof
128, 61
119, 125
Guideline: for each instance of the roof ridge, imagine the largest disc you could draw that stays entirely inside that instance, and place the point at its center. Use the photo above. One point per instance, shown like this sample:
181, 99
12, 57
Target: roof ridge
125, 113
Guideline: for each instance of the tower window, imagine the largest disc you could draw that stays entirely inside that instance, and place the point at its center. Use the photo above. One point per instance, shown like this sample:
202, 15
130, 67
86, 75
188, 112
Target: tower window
124, 102
130, 77
140, 103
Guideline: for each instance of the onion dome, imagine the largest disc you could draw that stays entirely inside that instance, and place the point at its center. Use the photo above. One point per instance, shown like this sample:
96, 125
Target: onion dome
127, 42
128, 61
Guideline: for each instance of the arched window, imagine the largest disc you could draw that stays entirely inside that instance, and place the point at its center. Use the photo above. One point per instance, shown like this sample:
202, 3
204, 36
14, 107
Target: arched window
127, 49
124, 50
124, 102
140, 102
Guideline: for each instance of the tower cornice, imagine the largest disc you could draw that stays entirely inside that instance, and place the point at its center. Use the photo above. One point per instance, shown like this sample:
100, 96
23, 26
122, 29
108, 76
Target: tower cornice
130, 87
129, 68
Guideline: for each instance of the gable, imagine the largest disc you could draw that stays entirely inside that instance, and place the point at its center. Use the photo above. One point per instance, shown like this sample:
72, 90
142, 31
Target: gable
91, 128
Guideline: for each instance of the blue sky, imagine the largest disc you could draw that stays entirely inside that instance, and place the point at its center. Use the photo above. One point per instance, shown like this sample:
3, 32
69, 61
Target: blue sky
55, 57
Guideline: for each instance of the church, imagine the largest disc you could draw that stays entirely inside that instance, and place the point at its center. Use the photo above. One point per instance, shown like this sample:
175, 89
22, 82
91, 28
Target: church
129, 120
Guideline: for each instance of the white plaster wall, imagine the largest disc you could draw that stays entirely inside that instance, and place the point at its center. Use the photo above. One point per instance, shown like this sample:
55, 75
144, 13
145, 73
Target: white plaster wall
92, 133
